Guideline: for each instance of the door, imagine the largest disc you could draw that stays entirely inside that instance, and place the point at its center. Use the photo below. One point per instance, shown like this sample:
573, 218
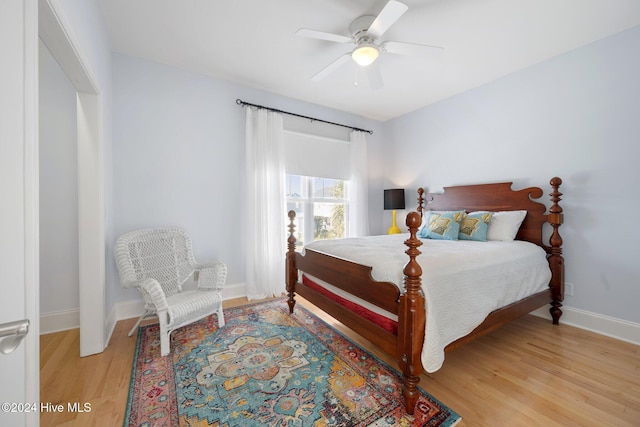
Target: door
19, 369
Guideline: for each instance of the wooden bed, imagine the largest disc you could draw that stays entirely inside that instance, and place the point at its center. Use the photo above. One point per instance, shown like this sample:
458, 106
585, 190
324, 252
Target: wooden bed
409, 305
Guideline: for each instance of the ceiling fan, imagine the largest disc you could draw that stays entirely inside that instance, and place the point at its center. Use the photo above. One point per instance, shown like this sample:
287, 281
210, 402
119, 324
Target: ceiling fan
365, 34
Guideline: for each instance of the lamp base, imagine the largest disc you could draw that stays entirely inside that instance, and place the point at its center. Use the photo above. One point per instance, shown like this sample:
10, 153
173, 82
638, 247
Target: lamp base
394, 228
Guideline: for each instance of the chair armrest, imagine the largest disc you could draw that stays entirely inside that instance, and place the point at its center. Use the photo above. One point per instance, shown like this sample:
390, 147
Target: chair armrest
151, 292
211, 276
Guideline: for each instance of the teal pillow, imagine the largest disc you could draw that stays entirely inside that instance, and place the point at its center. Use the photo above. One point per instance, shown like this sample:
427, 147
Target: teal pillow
474, 226
442, 225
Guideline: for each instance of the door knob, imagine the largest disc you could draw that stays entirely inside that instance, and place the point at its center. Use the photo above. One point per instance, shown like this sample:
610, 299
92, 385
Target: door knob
11, 335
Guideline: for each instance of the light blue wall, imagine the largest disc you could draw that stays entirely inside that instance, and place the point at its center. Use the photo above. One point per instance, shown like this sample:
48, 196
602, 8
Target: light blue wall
178, 157
576, 116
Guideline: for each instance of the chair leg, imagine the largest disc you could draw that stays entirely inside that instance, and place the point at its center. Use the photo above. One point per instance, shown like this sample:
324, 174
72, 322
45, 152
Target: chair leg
146, 313
220, 317
165, 339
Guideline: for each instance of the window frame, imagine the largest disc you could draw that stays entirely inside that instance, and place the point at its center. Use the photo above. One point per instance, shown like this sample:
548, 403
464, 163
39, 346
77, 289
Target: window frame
307, 202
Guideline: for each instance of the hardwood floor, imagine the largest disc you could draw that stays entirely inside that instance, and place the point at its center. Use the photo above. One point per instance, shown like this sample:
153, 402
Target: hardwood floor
529, 373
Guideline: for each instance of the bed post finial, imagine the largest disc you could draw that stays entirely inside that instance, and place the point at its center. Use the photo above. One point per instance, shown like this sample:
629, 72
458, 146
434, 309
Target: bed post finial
556, 261
291, 273
420, 201
411, 318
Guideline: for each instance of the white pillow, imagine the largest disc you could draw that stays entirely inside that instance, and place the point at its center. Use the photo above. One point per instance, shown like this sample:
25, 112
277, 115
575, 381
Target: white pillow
504, 225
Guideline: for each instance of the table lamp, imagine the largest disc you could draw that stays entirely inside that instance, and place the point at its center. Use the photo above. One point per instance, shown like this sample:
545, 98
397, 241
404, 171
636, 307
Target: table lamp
394, 199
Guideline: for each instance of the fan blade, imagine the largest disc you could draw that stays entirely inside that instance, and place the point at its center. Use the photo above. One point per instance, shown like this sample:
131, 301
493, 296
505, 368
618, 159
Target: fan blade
331, 67
374, 76
401, 48
321, 35
391, 12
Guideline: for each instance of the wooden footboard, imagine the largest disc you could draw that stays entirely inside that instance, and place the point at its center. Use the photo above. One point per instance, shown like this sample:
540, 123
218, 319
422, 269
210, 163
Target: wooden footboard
343, 274
356, 278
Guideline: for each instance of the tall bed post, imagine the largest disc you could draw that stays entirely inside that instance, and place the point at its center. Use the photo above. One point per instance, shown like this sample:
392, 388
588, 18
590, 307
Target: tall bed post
411, 318
420, 201
556, 261
291, 273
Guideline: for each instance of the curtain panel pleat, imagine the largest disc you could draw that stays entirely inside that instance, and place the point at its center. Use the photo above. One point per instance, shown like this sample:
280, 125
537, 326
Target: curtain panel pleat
266, 204
358, 188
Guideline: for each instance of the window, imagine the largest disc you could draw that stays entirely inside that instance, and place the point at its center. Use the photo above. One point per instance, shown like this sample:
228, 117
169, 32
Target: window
321, 207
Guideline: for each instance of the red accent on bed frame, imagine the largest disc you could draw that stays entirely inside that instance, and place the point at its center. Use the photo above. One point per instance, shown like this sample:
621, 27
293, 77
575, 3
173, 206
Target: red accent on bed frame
380, 320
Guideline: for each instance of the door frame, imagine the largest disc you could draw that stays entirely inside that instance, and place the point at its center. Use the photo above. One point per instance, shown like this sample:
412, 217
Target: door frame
57, 34
31, 208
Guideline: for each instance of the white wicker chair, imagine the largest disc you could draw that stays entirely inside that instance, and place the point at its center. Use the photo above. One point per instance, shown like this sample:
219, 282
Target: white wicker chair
157, 262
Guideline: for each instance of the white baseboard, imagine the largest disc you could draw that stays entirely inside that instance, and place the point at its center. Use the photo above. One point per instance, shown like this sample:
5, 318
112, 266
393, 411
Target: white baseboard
599, 323
57, 321
134, 308
237, 290
119, 311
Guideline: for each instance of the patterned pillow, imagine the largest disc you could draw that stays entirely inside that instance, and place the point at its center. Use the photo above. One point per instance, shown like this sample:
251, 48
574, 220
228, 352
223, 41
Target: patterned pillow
474, 226
442, 225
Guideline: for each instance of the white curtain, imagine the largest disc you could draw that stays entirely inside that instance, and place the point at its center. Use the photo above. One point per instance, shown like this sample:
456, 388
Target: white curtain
358, 188
266, 204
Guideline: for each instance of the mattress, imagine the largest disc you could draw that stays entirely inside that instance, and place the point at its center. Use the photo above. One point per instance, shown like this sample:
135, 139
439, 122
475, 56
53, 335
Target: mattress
462, 281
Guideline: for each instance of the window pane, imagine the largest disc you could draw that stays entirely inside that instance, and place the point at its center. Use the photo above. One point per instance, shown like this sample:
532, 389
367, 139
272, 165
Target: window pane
328, 221
294, 186
317, 189
327, 188
338, 189
321, 207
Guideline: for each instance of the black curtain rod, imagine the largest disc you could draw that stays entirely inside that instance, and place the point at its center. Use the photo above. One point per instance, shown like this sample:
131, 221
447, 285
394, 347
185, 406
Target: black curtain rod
244, 104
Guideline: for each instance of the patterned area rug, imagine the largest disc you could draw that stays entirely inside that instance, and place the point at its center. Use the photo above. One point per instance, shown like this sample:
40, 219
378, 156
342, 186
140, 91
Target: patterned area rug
268, 368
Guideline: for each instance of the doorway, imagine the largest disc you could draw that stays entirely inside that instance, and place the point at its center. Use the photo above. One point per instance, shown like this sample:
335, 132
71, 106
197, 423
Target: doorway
61, 42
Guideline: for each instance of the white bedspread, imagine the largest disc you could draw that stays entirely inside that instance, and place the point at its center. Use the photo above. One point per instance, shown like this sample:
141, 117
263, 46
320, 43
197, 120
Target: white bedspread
463, 281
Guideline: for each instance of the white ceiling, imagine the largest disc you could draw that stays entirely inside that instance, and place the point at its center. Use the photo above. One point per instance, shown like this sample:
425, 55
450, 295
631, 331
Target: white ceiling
252, 42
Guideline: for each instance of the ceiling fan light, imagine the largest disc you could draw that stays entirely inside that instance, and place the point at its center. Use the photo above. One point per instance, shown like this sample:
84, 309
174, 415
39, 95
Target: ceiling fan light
365, 54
